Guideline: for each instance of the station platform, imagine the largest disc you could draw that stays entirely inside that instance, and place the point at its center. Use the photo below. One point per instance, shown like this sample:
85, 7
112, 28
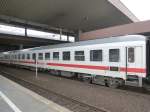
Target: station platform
112, 100
15, 98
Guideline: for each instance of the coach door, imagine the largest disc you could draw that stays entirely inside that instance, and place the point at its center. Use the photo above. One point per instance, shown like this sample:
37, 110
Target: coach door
133, 62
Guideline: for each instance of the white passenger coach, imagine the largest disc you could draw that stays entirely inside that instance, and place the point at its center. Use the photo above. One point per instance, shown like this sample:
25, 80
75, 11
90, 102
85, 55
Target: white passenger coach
113, 61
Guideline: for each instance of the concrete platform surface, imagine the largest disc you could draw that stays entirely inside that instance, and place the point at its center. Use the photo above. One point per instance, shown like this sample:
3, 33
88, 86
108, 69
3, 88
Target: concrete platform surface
15, 98
113, 100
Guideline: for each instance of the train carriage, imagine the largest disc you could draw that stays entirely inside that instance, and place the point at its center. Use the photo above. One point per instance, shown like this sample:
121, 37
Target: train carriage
110, 61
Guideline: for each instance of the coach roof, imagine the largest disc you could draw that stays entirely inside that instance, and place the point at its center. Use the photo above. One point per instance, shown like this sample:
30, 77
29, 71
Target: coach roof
95, 41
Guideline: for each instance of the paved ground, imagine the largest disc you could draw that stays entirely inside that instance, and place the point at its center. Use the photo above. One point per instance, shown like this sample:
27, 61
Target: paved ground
14, 98
114, 100
4, 107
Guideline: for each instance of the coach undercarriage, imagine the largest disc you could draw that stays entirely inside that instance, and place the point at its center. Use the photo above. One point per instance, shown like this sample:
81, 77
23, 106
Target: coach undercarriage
88, 78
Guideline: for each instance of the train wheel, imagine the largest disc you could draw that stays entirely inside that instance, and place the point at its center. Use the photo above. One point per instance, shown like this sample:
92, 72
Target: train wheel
91, 81
113, 83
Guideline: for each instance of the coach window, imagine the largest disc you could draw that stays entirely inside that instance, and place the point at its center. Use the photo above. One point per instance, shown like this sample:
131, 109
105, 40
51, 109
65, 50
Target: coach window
66, 55
34, 56
40, 56
23, 56
18, 56
55, 55
28, 56
114, 55
15, 57
96, 55
47, 56
131, 55
79, 56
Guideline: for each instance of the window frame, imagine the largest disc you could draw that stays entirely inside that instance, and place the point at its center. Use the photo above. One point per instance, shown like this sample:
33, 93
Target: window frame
79, 55
40, 57
49, 56
117, 60
92, 57
23, 57
28, 56
19, 56
63, 53
133, 54
58, 55
34, 56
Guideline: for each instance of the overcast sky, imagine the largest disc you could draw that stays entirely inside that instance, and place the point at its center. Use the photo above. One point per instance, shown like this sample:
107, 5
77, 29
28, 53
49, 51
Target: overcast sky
140, 8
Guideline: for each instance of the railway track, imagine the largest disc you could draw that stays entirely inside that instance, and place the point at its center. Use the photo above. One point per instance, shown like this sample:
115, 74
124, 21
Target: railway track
67, 102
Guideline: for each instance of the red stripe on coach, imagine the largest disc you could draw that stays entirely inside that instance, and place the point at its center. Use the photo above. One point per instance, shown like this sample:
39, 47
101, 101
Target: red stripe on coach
139, 70
123, 69
80, 66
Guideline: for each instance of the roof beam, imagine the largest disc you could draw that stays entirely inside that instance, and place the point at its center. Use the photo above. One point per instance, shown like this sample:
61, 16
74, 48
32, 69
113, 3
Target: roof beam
25, 23
118, 4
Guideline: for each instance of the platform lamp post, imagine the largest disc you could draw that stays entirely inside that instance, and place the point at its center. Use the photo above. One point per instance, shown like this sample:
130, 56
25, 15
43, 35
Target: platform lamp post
36, 64
60, 34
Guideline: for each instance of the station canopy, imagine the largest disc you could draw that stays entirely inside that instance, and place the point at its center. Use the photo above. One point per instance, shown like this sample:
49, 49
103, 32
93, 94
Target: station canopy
85, 15
71, 16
